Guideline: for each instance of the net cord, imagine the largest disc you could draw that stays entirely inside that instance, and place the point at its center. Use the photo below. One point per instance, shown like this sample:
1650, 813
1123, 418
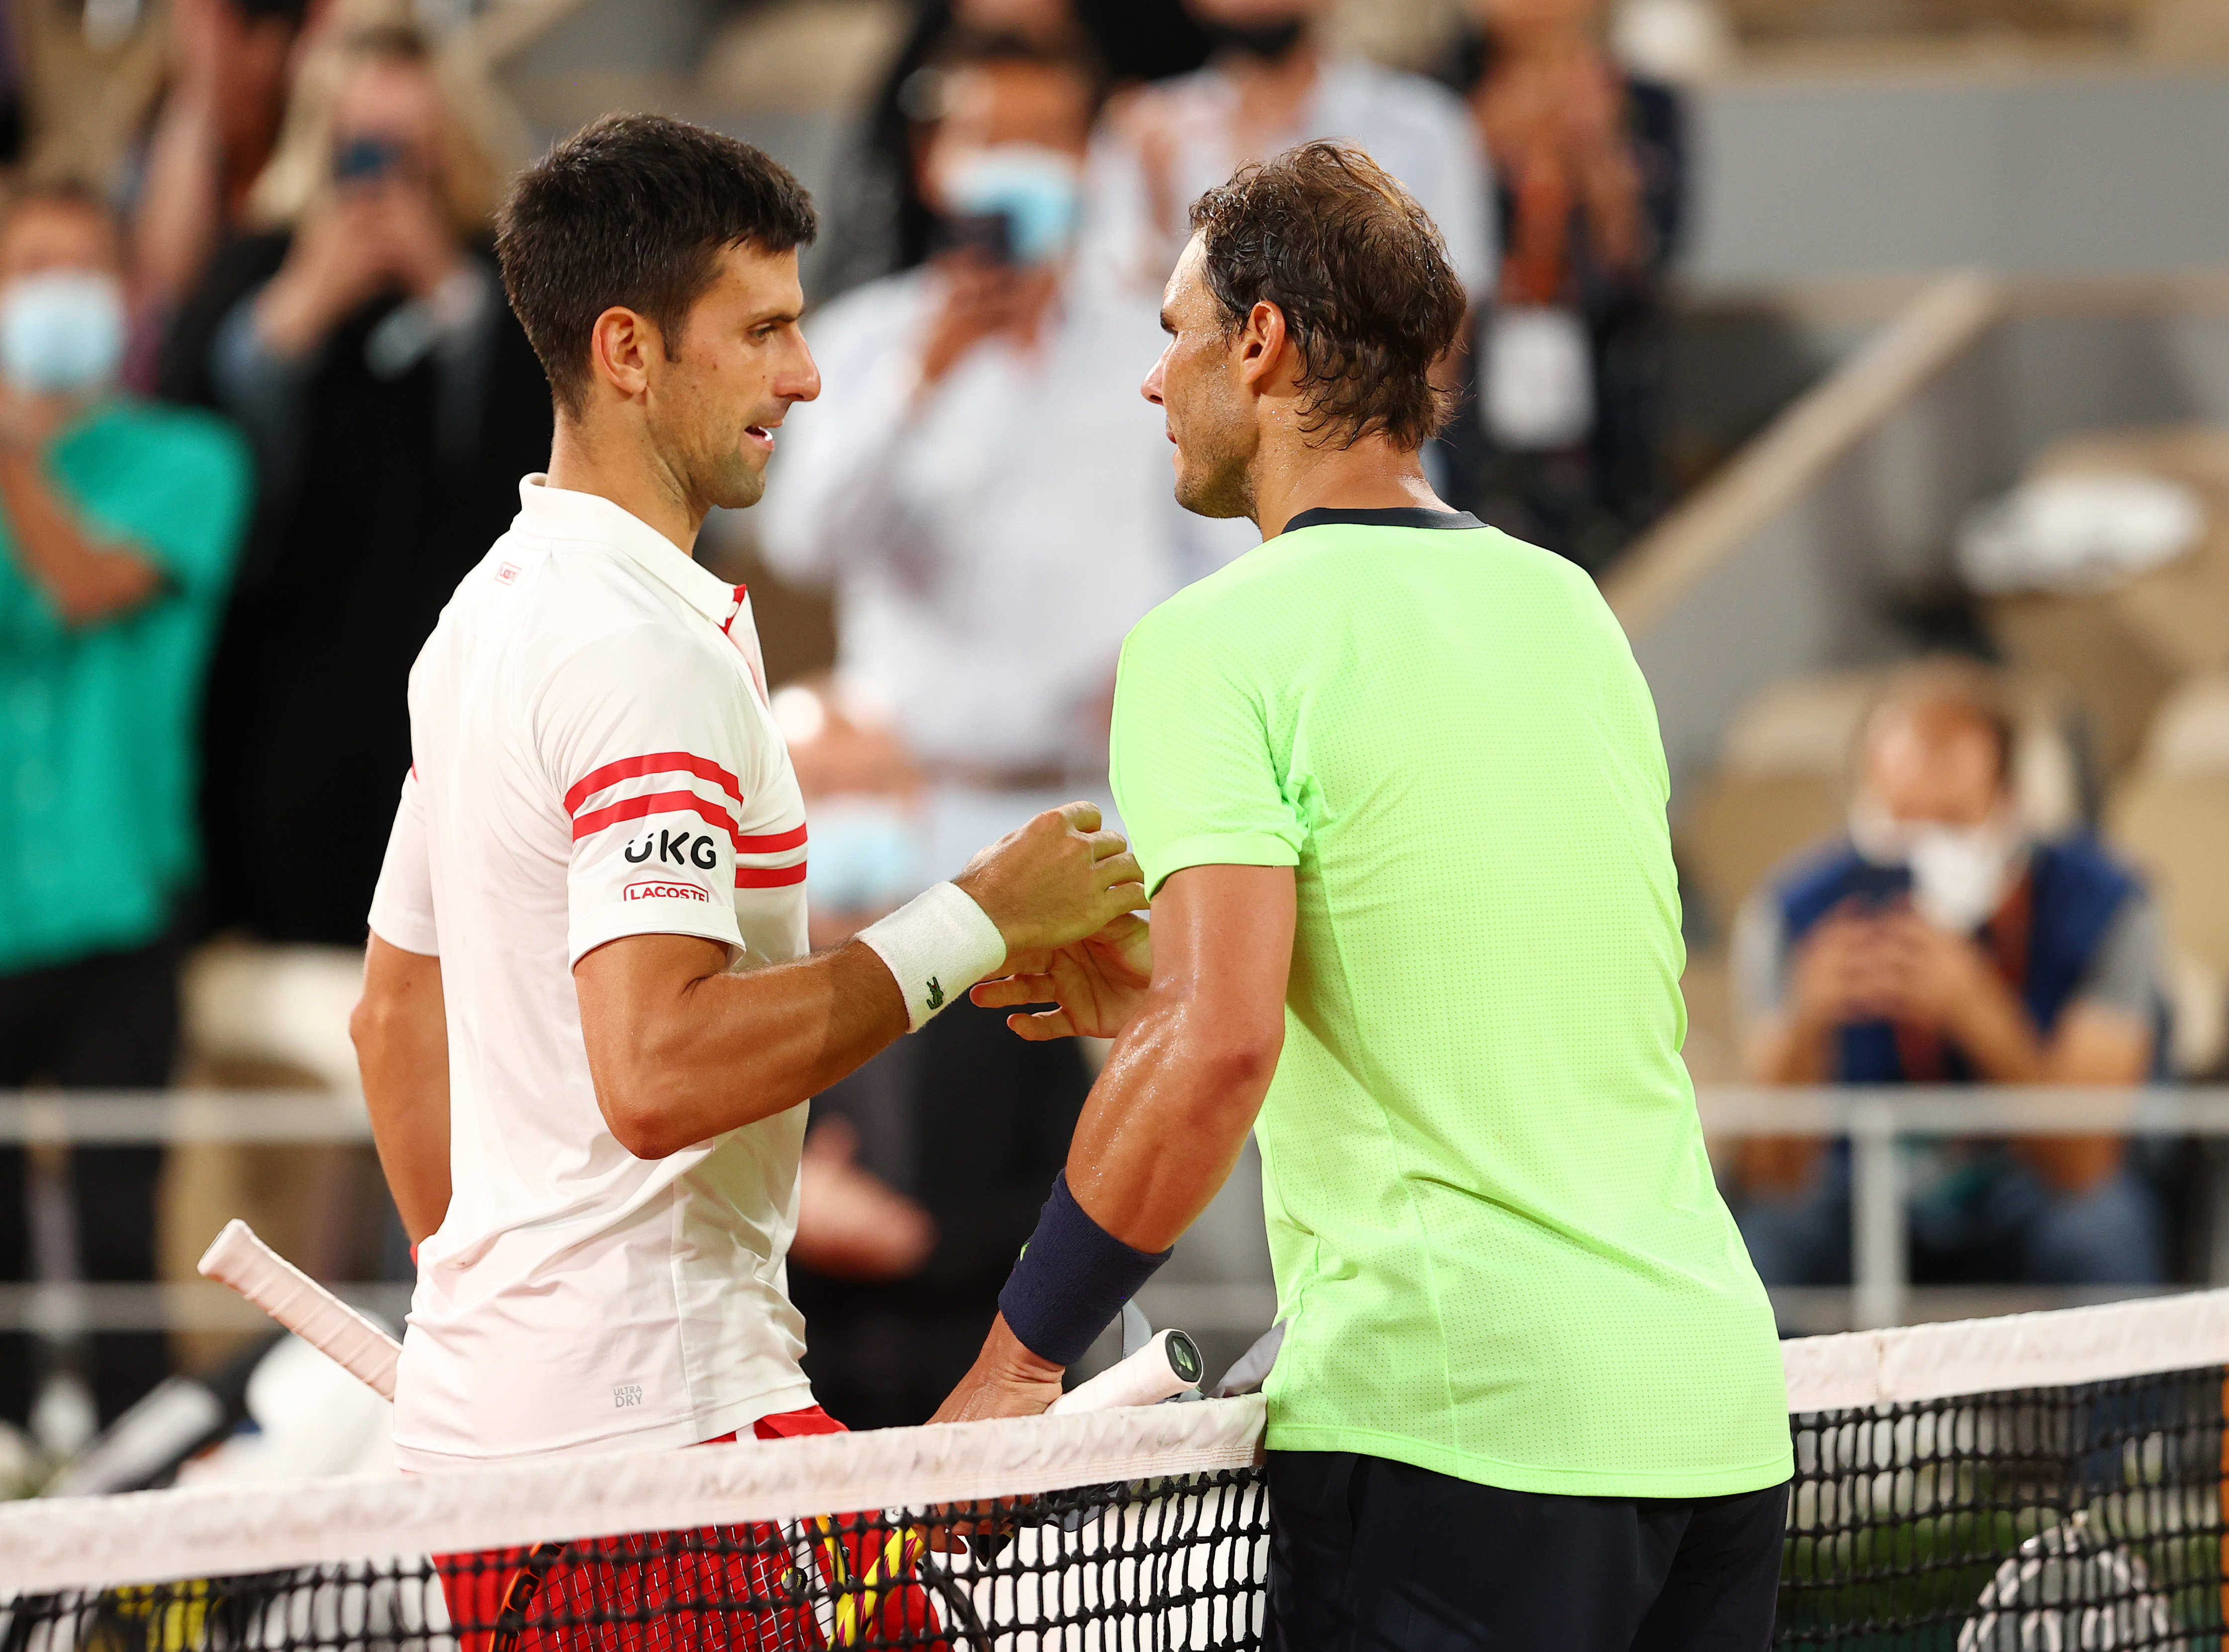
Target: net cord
2052, 1349
51, 1544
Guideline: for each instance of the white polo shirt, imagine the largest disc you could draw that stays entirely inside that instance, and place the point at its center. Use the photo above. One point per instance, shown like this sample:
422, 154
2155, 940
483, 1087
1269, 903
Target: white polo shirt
593, 758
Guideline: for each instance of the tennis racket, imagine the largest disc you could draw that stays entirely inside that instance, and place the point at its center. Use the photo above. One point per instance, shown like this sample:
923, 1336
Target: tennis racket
236, 1258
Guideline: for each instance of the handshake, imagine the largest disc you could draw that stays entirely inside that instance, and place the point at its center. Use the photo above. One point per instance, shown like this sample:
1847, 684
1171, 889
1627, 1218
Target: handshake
1064, 893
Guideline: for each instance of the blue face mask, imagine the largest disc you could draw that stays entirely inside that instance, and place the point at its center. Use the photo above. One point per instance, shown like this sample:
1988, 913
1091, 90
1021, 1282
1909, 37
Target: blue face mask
61, 331
1035, 190
865, 856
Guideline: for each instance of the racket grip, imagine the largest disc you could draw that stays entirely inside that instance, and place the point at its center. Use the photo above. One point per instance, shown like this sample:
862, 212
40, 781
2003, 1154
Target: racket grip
236, 1258
1161, 1369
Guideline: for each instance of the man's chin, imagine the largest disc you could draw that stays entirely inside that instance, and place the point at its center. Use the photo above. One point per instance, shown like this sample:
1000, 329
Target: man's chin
1215, 495
742, 485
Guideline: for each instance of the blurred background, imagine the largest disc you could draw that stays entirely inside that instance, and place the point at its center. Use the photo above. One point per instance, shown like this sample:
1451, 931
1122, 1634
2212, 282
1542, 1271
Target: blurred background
1873, 355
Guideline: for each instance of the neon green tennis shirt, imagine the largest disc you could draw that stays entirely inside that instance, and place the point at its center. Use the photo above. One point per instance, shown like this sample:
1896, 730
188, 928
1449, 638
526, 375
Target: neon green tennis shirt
1496, 1236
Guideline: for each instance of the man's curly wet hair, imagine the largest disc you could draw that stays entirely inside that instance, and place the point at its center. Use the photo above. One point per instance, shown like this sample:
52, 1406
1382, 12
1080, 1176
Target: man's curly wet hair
1360, 272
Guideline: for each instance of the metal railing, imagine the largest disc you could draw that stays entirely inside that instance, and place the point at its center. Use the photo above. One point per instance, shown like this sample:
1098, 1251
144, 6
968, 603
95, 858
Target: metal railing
1875, 1120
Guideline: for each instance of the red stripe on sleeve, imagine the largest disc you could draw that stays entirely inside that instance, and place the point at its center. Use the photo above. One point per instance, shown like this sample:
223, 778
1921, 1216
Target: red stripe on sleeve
771, 843
658, 762
634, 808
769, 877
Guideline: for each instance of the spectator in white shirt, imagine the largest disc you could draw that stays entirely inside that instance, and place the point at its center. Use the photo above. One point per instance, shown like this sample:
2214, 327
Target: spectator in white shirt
1272, 83
979, 449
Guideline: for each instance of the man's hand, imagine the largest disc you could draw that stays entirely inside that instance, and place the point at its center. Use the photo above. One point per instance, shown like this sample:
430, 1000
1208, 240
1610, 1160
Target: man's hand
1841, 975
849, 1222
419, 248
1054, 881
1934, 978
982, 298
339, 261
1097, 983
1005, 1380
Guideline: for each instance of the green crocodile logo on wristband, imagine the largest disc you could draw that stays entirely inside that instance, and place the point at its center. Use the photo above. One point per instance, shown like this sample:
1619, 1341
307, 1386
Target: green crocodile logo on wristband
935, 994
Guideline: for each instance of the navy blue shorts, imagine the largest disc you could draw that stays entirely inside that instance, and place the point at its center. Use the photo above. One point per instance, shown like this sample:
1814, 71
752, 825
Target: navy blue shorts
1367, 1555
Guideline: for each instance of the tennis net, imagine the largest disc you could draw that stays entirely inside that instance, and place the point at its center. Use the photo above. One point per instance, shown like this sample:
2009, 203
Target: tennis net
1113, 1529
2047, 1482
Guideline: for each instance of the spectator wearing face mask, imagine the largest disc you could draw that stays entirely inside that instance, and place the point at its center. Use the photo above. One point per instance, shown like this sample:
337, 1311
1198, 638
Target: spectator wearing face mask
1589, 176
1940, 944
878, 220
393, 403
1272, 83
977, 454
924, 1171
119, 524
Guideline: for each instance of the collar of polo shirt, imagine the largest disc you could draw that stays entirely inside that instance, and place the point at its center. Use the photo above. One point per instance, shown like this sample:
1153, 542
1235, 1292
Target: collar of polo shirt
560, 513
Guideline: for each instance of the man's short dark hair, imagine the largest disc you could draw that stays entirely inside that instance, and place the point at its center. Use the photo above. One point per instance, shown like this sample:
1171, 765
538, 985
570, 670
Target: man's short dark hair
1358, 269
634, 210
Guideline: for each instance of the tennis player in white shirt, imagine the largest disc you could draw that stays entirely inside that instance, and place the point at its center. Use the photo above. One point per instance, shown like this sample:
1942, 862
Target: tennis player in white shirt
588, 1023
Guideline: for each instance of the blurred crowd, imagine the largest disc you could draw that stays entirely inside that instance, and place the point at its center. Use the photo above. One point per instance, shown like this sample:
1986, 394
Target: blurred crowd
263, 404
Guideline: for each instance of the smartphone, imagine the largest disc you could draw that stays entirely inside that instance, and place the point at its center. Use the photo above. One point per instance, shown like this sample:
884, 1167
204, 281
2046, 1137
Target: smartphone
367, 160
1878, 887
989, 235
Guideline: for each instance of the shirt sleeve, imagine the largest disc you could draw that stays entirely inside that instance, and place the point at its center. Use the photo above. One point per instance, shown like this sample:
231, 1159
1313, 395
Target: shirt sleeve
643, 736
1193, 771
2127, 971
402, 905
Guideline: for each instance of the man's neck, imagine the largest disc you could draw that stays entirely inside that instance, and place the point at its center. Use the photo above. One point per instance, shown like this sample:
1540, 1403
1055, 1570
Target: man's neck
1371, 475
622, 468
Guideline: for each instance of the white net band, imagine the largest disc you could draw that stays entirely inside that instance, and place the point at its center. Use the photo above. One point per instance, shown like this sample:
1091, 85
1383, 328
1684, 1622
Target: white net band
153, 1537
211, 1531
1915, 1363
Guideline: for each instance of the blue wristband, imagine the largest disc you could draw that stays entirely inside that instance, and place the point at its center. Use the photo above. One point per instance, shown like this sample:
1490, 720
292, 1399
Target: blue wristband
1071, 1280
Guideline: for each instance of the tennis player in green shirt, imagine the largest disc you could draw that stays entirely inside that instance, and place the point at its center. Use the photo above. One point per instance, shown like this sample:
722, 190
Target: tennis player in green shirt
1398, 789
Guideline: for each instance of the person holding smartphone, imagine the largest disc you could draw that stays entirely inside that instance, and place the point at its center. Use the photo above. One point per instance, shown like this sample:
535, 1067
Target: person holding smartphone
977, 453
362, 341
1941, 942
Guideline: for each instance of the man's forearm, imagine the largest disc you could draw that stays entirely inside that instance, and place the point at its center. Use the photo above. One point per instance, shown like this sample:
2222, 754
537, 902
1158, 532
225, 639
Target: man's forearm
1991, 1026
687, 1053
400, 1031
180, 198
1167, 1120
85, 582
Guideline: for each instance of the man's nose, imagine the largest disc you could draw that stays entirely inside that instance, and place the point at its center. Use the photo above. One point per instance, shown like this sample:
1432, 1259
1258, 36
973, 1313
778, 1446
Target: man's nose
806, 386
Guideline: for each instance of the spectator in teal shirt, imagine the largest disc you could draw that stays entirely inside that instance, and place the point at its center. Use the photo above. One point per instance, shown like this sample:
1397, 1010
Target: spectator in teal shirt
119, 522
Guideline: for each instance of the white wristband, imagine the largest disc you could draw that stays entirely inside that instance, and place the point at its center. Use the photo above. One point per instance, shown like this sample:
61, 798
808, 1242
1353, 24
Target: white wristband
938, 945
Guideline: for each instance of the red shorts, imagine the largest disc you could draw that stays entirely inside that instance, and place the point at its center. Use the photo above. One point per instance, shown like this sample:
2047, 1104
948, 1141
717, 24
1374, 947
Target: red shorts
724, 1588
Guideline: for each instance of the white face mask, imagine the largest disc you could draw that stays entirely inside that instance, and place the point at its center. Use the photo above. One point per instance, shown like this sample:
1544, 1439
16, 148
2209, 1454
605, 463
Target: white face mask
1038, 191
866, 855
61, 331
1959, 874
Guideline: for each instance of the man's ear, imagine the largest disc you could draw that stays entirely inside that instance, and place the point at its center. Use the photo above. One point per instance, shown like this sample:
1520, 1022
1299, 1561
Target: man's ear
620, 345
1264, 348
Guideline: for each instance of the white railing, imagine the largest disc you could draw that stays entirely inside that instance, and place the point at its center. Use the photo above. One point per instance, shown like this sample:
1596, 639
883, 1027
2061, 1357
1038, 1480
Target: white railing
1874, 1118
1877, 1119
